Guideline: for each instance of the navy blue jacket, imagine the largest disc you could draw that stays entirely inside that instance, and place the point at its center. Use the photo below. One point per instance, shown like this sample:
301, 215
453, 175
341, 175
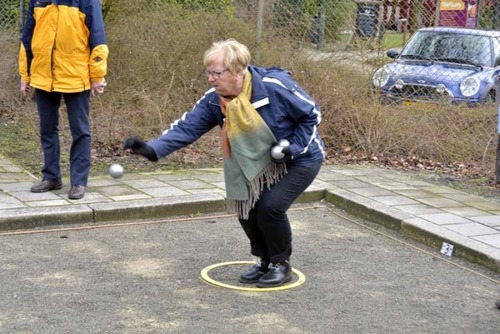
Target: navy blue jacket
286, 108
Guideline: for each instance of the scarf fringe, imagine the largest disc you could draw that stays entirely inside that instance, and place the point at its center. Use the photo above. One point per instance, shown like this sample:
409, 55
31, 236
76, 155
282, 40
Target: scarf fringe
268, 176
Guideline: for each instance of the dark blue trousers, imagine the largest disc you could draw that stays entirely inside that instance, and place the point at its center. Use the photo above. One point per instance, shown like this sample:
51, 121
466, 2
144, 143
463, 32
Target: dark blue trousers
268, 227
77, 105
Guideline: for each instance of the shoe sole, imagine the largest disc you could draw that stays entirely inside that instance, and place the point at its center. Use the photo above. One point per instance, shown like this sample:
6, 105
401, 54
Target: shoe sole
250, 281
263, 285
76, 197
244, 281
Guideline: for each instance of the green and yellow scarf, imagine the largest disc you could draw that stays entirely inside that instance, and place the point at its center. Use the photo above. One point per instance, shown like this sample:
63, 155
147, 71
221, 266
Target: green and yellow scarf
246, 142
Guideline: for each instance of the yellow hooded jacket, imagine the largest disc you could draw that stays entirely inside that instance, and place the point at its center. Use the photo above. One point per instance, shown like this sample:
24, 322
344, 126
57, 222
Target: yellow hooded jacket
63, 45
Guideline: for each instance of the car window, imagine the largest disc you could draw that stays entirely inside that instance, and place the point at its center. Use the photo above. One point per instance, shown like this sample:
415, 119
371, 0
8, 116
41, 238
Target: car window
467, 49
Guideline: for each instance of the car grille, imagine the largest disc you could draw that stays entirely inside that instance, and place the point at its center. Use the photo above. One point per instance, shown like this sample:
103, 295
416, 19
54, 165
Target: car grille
419, 92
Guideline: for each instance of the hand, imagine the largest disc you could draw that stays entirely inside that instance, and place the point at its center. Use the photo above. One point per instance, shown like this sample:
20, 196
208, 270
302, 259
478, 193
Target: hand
98, 87
25, 88
137, 146
280, 154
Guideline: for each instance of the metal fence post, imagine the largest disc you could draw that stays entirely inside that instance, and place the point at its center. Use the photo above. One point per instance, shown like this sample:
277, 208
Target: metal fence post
437, 13
21, 16
321, 27
496, 15
258, 33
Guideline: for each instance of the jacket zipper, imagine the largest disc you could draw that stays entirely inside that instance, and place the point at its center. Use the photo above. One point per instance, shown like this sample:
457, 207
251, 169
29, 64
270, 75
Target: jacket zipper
53, 48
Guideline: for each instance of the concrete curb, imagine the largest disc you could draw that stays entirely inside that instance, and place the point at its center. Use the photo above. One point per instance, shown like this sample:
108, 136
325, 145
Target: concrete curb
24, 218
366, 208
415, 228
159, 207
465, 248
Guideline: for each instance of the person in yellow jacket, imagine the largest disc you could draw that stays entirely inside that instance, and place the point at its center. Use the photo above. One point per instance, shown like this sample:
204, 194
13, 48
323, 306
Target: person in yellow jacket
63, 54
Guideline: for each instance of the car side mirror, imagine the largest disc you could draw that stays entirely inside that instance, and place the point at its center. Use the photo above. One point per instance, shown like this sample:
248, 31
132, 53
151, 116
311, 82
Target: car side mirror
392, 53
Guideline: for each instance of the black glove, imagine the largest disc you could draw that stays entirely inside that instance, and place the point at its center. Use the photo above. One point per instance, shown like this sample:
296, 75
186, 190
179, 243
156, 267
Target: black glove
285, 151
140, 147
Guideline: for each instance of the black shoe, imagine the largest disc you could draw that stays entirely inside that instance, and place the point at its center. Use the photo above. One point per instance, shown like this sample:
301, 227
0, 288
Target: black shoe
278, 274
46, 185
76, 192
255, 272
498, 303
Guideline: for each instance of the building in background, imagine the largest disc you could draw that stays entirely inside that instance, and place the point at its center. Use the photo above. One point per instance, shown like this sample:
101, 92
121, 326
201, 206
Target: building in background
426, 13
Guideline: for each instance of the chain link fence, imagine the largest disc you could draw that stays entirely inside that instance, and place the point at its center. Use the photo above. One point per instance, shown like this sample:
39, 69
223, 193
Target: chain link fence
333, 47
11, 14
353, 32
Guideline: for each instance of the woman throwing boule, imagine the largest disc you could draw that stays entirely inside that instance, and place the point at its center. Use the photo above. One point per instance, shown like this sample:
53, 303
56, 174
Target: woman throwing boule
255, 107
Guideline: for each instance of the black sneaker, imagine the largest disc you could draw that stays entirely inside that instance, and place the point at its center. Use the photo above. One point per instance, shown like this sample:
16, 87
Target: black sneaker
255, 272
277, 275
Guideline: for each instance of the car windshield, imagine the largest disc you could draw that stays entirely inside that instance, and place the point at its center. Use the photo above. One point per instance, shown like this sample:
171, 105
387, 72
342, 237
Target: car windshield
439, 46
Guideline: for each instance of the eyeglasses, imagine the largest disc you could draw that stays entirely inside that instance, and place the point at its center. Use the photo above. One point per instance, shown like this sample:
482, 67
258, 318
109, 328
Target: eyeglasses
215, 74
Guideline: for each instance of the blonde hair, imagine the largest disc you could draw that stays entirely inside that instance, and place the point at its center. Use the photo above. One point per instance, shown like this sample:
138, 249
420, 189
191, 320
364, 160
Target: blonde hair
236, 55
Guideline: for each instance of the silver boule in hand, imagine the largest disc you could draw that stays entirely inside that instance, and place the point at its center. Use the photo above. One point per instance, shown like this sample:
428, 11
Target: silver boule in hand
283, 143
277, 151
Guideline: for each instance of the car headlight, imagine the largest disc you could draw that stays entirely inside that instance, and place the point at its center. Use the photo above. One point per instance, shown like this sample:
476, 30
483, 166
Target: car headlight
380, 78
469, 86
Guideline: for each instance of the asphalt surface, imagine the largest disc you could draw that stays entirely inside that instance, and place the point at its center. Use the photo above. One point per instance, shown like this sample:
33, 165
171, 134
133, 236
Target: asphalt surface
144, 277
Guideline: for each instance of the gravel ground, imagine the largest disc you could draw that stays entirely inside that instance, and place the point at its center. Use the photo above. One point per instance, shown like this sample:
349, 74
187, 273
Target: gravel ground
145, 278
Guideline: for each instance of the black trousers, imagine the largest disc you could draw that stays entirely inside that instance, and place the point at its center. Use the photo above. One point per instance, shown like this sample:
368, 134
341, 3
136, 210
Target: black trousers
268, 227
77, 105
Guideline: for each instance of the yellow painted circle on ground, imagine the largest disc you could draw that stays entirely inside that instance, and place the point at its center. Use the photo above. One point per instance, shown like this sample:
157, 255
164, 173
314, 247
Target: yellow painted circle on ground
207, 278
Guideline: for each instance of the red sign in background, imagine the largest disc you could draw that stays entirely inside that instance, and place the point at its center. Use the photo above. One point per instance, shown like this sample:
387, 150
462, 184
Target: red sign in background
458, 13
